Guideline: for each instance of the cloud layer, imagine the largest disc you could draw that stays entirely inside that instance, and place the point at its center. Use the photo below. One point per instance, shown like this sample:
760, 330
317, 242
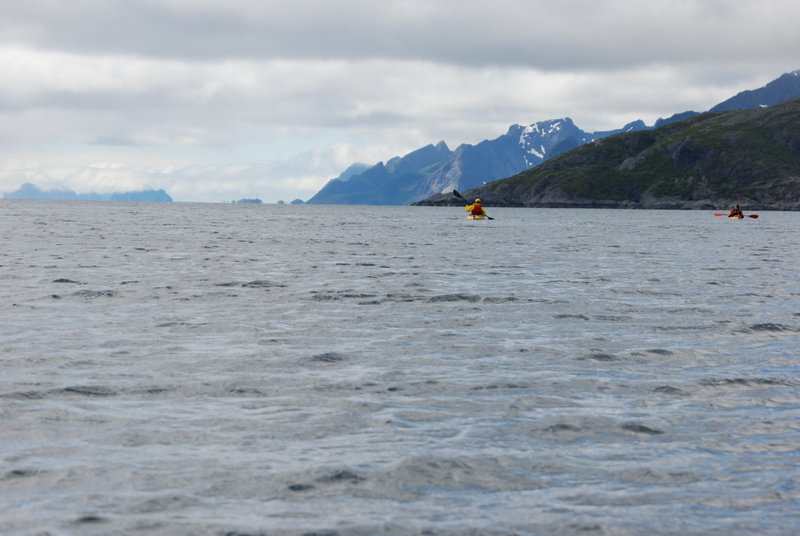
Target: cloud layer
212, 100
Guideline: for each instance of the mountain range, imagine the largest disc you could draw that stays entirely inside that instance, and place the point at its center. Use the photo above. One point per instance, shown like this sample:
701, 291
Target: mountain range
709, 161
31, 191
434, 169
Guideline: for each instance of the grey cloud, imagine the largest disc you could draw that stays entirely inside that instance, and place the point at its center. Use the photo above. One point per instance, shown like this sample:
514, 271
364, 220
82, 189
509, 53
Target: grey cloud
547, 35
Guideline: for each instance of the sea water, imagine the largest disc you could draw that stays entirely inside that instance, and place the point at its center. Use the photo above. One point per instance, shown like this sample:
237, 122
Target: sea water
230, 369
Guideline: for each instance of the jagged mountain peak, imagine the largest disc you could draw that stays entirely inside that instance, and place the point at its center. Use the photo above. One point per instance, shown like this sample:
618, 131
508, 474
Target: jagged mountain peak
551, 126
433, 169
784, 88
352, 171
544, 139
419, 158
541, 128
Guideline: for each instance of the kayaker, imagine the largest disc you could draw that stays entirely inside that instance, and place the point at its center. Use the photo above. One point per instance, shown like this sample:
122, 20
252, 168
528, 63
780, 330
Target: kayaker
476, 209
736, 212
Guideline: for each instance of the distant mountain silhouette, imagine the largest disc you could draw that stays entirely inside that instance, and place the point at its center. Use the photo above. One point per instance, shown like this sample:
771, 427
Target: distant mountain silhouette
393, 183
782, 89
434, 169
31, 191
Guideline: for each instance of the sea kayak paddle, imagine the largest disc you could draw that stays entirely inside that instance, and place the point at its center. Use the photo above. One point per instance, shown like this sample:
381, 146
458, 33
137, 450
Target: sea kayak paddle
455, 193
754, 216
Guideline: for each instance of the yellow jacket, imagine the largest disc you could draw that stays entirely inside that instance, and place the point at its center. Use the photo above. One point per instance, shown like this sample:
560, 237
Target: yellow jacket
477, 206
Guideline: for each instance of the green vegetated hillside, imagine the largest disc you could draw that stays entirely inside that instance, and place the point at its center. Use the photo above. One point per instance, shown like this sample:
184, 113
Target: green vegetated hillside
713, 160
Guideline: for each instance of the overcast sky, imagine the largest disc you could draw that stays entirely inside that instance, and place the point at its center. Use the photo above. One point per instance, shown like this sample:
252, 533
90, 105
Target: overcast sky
217, 100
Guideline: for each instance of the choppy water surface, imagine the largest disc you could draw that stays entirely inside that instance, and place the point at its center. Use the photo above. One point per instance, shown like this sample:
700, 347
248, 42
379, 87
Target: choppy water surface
288, 370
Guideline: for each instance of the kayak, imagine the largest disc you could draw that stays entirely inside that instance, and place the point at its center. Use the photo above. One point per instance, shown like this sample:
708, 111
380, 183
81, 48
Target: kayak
475, 217
754, 216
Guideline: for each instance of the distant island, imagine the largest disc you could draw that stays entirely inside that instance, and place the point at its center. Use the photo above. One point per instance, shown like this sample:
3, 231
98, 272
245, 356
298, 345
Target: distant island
31, 191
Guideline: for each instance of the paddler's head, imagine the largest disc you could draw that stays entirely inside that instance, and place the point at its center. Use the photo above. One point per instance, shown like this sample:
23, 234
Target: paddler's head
477, 201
